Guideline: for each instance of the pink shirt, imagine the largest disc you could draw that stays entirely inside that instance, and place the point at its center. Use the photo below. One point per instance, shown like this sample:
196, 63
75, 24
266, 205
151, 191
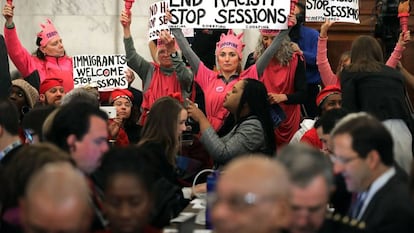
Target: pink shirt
160, 85
215, 90
26, 63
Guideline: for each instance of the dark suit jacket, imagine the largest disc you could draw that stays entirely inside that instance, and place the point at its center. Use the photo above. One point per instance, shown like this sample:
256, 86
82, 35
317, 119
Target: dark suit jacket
391, 209
5, 80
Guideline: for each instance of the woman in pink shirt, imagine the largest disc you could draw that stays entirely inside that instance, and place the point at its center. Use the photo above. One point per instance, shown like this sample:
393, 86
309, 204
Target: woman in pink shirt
50, 59
216, 83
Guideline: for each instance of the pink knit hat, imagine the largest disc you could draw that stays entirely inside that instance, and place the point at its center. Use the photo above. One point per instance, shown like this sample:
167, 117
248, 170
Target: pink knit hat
48, 32
269, 32
231, 40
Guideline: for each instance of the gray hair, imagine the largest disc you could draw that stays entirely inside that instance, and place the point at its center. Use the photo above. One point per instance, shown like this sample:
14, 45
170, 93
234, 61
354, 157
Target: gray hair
283, 55
304, 163
81, 94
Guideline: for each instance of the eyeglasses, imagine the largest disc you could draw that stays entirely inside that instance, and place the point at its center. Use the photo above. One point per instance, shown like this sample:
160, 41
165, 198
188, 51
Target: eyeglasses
239, 202
341, 160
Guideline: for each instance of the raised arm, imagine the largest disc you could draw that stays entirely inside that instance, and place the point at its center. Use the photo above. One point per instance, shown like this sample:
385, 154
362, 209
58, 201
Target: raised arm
21, 58
137, 63
327, 75
185, 47
396, 55
184, 75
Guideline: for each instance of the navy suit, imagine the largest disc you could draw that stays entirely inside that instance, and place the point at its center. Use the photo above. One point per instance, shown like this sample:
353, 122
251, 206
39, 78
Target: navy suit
391, 209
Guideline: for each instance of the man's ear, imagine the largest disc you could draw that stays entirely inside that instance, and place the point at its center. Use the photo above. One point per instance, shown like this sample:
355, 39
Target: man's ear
70, 141
42, 98
373, 159
1, 130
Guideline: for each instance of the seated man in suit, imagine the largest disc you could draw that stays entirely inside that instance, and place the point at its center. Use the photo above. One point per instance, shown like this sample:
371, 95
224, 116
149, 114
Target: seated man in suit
312, 182
363, 150
252, 196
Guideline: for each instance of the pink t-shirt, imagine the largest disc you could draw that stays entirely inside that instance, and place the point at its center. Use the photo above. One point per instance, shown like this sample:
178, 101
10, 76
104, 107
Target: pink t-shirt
215, 90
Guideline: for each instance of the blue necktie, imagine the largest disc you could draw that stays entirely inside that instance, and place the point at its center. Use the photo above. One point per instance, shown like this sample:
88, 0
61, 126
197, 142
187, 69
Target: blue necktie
356, 209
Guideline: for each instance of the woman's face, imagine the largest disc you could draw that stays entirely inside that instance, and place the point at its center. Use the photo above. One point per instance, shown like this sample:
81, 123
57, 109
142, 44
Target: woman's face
232, 99
182, 119
126, 204
123, 108
267, 40
228, 60
54, 48
345, 62
333, 101
164, 57
18, 97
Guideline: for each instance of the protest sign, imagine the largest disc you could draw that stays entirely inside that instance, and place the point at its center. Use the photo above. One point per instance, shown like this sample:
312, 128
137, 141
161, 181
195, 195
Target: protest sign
235, 14
107, 72
334, 10
158, 21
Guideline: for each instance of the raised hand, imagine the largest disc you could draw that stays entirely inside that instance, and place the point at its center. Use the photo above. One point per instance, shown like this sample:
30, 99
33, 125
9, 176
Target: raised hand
325, 27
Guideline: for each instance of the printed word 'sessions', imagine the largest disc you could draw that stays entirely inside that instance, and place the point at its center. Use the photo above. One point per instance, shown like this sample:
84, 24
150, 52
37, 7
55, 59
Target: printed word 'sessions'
105, 71
236, 14
92, 60
331, 10
248, 16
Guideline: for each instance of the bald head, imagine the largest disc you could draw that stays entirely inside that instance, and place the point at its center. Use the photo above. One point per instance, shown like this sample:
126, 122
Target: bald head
258, 173
57, 200
252, 196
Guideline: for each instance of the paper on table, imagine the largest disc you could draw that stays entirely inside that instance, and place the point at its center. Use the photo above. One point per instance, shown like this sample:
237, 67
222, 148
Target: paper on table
198, 203
184, 216
201, 217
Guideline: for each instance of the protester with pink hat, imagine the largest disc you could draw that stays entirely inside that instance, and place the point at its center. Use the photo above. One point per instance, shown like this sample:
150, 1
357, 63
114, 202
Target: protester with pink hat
215, 84
50, 55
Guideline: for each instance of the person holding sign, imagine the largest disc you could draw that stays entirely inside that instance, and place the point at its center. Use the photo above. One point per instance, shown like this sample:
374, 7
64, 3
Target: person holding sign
169, 75
215, 84
50, 55
285, 81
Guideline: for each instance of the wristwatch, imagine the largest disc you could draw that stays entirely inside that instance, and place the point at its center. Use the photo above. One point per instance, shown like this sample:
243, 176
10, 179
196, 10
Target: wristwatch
174, 54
